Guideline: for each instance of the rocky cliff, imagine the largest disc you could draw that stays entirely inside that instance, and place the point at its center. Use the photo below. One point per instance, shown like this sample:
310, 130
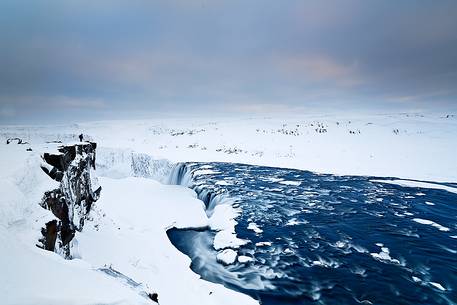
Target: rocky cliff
73, 166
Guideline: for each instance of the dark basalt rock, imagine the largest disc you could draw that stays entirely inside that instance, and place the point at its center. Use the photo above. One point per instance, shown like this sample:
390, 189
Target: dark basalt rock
18, 140
49, 235
55, 160
154, 297
72, 201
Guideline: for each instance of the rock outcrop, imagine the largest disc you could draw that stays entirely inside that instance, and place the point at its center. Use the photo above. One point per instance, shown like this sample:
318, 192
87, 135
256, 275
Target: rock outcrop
73, 166
18, 141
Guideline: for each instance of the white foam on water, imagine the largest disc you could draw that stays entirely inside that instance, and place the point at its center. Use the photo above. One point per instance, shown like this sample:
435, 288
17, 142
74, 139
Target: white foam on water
273, 189
272, 179
223, 182
384, 255
294, 183
206, 166
327, 263
288, 251
204, 172
294, 222
429, 203
431, 223
358, 248
448, 249
419, 184
437, 285
359, 271
340, 244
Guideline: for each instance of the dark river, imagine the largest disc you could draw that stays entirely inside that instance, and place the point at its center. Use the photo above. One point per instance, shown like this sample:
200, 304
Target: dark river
325, 239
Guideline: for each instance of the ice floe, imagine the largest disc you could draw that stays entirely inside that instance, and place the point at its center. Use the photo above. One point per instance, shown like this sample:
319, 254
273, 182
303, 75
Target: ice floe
227, 256
253, 226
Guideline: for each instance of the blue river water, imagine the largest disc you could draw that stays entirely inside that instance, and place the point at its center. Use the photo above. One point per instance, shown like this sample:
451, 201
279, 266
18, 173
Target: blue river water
325, 239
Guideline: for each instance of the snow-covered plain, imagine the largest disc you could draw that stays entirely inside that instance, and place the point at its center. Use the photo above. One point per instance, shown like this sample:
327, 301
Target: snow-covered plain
412, 146
128, 228
418, 146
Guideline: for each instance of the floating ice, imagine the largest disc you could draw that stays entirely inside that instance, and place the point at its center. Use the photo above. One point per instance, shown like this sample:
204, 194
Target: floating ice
226, 239
244, 259
253, 226
226, 257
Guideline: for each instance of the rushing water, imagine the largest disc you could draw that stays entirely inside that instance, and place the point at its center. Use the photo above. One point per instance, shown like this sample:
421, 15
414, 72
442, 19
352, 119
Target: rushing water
324, 239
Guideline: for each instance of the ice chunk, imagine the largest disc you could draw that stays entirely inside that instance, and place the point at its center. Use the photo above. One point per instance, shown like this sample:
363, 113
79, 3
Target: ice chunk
244, 259
227, 256
253, 226
227, 239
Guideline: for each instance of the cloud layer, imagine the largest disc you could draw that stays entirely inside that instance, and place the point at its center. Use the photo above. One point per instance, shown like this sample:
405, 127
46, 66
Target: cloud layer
77, 59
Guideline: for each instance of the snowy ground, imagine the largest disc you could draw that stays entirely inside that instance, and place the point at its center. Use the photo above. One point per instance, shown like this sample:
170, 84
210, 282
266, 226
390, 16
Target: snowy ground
127, 233
413, 146
128, 230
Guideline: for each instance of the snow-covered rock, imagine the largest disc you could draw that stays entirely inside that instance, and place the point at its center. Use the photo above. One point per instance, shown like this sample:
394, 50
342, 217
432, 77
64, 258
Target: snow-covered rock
73, 166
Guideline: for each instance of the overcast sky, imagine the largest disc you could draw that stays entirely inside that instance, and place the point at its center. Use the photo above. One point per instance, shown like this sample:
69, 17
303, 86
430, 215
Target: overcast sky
82, 60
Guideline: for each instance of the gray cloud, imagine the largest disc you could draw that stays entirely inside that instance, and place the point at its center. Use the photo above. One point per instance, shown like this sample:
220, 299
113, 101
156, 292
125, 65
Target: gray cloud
108, 58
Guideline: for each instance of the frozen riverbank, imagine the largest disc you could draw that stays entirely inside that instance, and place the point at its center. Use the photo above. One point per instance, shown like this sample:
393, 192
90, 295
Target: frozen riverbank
122, 252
